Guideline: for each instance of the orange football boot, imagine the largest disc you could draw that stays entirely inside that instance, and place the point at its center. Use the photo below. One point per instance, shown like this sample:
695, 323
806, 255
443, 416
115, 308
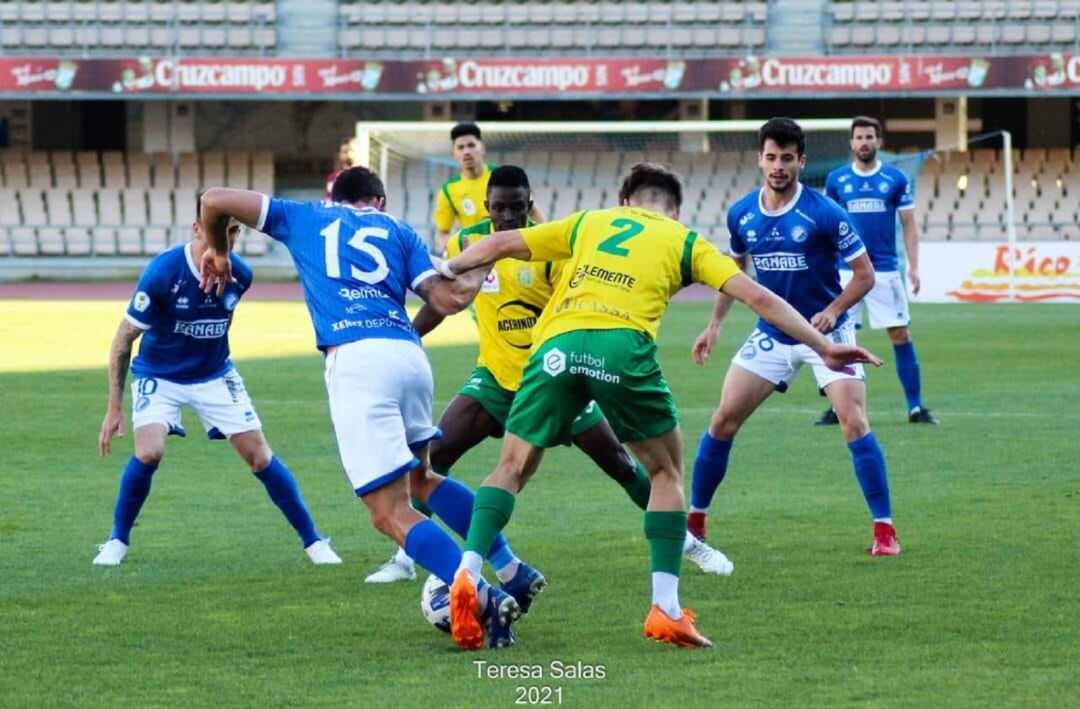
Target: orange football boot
681, 632
465, 610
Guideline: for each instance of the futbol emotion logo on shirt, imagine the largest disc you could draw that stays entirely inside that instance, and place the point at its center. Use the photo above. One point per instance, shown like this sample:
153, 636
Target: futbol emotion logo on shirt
554, 362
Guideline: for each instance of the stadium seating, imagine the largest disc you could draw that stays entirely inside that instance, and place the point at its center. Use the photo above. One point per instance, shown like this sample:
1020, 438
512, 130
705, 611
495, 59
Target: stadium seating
111, 26
960, 196
418, 28
992, 26
136, 204
117, 203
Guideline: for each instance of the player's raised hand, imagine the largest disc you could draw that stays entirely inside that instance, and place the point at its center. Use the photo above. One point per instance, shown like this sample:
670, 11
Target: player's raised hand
113, 425
839, 358
702, 347
214, 270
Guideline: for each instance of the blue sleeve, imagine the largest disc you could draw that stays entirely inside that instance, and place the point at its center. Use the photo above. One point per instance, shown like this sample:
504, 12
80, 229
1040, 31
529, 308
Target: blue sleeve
842, 232
736, 246
904, 194
418, 264
278, 216
144, 303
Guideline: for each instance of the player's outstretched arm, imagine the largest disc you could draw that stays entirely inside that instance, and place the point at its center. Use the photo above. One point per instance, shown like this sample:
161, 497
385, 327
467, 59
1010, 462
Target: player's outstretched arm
217, 205
862, 280
119, 361
776, 311
501, 244
447, 296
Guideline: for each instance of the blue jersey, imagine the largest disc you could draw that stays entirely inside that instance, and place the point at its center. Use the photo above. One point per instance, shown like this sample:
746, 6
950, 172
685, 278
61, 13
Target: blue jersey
872, 199
795, 250
186, 331
355, 266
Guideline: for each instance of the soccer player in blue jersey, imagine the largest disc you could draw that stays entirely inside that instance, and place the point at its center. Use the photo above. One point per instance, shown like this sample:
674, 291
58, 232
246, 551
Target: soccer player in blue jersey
184, 361
874, 194
355, 264
794, 236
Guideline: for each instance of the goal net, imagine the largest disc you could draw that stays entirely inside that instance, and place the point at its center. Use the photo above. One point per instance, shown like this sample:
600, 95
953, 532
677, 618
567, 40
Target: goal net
576, 166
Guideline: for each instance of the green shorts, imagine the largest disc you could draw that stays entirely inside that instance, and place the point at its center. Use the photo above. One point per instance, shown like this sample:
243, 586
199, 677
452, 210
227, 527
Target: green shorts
616, 368
482, 386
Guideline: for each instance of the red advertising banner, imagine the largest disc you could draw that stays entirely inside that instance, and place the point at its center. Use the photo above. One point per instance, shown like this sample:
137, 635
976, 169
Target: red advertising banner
512, 77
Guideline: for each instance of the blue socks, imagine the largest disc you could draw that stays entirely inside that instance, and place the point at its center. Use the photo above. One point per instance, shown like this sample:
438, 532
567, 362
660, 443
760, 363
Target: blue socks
134, 488
710, 467
433, 549
907, 369
870, 471
453, 503
281, 486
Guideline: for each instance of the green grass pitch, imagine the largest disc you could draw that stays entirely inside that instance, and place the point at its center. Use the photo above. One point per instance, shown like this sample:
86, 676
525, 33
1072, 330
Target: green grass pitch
217, 605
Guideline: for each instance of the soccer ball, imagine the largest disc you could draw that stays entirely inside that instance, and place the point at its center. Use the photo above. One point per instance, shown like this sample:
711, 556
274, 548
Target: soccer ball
435, 602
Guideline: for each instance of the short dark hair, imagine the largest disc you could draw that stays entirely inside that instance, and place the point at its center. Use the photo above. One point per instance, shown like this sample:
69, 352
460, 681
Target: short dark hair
782, 131
357, 184
198, 205
465, 129
866, 122
510, 176
648, 176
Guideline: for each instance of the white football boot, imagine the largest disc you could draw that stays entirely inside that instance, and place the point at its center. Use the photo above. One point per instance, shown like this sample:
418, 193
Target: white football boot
111, 553
320, 553
399, 568
709, 560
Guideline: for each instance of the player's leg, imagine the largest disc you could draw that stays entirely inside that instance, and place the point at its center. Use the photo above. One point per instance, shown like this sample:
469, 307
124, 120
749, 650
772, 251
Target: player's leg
665, 530
887, 306
155, 414
492, 509
847, 392
476, 413
594, 436
910, 374
284, 492
759, 367
226, 411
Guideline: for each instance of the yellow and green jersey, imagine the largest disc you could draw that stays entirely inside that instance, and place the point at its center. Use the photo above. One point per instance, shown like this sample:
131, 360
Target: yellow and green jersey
622, 266
462, 199
507, 307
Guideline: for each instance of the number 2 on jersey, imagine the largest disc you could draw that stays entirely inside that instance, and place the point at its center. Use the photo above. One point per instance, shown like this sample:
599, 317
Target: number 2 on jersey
358, 241
613, 244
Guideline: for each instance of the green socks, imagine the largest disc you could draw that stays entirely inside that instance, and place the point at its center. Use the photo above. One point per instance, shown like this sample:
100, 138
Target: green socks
492, 509
665, 532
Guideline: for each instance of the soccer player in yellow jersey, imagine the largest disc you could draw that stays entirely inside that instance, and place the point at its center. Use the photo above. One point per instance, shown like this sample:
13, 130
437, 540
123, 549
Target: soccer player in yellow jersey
507, 308
596, 341
461, 198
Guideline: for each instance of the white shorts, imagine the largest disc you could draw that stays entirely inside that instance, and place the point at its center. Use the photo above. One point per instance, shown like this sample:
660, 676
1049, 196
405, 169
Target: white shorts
886, 302
223, 405
779, 363
380, 394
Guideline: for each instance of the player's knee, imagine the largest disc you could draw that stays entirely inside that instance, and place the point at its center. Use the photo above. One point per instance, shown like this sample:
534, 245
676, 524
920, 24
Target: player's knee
150, 454
723, 426
259, 459
666, 476
423, 481
384, 519
853, 423
442, 457
899, 335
